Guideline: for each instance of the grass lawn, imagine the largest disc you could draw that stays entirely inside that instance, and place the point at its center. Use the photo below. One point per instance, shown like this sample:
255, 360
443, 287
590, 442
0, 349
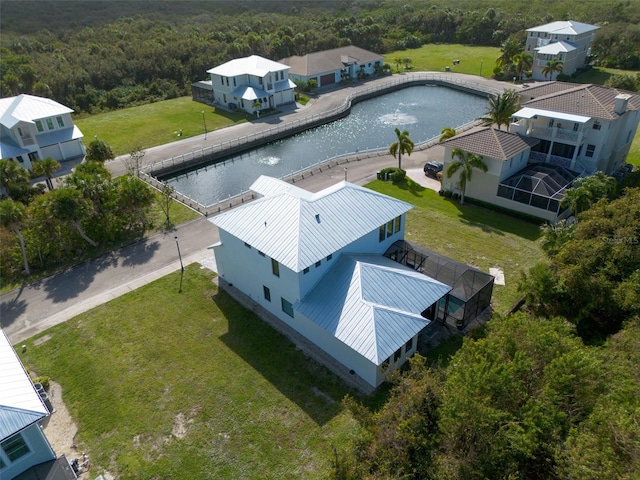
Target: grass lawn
191, 385
154, 124
470, 234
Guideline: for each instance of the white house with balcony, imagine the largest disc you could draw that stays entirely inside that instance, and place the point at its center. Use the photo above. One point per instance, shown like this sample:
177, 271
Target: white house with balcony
315, 261
567, 41
561, 131
250, 83
33, 128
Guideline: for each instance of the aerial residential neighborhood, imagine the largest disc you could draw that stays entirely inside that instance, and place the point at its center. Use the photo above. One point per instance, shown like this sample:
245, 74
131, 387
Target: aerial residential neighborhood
456, 295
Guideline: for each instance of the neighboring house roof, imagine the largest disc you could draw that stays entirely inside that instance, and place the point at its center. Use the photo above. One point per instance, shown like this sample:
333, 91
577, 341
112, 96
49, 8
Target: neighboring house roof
569, 27
253, 65
555, 48
27, 108
372, 304
586, 100
299, 230
492, 143
329, 60
20, 404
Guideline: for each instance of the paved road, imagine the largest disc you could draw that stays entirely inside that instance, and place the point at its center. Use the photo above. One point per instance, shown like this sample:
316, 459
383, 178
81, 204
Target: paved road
37, 306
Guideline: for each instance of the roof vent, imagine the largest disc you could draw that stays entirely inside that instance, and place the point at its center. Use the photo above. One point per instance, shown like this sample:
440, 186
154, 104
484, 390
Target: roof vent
318, 217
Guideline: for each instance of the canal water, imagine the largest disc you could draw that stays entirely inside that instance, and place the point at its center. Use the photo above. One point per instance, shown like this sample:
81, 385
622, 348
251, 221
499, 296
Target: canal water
422, 110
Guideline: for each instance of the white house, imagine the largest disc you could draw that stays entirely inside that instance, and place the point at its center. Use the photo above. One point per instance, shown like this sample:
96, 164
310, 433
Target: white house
562, 131
315, 261
566, 41
251, 83
23, 445
34, 128
332, 66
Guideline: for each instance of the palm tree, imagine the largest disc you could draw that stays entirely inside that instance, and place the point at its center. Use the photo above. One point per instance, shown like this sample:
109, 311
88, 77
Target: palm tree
465, 162
509, 49
446, 133
397, 61
12, 215
13, 177
69, 206
403, 145
522, 62
501, 108
553, 66
45, 168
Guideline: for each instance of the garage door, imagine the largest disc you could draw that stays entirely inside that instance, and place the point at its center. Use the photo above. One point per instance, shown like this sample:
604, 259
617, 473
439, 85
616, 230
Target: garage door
327, 79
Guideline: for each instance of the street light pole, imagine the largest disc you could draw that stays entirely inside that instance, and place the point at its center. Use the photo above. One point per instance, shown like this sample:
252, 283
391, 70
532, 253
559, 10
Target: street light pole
205, 125
179, 255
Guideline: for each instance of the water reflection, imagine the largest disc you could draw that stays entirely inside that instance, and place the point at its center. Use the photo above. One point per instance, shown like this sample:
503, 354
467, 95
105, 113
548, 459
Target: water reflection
423, 111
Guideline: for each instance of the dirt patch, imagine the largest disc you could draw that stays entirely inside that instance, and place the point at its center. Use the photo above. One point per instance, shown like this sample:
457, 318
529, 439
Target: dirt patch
60, 428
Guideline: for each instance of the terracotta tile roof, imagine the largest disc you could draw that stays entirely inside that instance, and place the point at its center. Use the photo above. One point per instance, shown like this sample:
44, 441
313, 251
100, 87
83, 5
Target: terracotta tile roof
329, 60
587, 100
491, 143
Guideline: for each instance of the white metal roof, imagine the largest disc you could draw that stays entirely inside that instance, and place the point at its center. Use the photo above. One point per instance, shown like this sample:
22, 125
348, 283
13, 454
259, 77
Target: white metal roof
27, 108
555, 48
371, 303
20, 404
268, 186
253, 65
570, 27
298, 230
528, 112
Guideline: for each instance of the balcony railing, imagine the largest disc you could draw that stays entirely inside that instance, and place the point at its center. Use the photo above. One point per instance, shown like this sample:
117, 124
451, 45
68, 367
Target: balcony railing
554, 132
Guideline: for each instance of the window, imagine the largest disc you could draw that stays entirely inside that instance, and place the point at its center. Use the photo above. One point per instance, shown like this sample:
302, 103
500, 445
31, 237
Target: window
60, 121
408, 346
234, 81
39, 126
15, 447
221, 80
551, 122
597, 126
287, 307
49, 124
227, 81
20, 131
590, 150
397, 355
329, 257
389, 228
382, 233
397, 227
305, 271
275, 267
318, 263
267, 293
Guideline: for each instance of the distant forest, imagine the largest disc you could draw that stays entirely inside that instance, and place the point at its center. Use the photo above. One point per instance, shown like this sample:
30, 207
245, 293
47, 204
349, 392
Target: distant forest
97, 55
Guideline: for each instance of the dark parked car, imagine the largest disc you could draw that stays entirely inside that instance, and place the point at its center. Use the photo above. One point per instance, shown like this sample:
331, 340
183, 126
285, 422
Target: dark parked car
432, 169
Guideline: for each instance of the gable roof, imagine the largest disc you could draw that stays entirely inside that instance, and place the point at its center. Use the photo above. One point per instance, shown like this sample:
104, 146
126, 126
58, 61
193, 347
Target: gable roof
585, 100
491, 143
570, 27
253, 65
298, 229
27, 108
329, 60
371, 303
20, 404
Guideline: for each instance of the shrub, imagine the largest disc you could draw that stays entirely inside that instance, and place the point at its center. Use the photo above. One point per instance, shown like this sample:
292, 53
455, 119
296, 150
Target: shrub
44, 380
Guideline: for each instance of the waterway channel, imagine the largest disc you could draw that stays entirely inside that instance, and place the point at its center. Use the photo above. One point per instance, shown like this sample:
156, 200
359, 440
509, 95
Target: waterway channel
422, 110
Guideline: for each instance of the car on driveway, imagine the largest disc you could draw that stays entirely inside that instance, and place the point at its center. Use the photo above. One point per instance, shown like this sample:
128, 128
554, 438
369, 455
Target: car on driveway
432, 169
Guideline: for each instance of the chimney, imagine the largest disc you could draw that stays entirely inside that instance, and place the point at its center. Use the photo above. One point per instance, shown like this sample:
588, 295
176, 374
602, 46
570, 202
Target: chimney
622, 101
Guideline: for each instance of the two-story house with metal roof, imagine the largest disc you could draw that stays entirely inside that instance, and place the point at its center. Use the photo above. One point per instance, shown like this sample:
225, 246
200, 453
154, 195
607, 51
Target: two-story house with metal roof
566, 41
34, 128
317, 262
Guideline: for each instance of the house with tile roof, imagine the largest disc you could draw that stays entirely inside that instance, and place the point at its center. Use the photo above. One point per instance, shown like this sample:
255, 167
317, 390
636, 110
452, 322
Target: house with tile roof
562, 131
329, 67
23, 445
33, 128
250, 83
316, 262
567, 41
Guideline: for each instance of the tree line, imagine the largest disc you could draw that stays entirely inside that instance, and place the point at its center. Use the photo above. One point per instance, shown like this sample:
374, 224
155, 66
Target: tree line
97, 56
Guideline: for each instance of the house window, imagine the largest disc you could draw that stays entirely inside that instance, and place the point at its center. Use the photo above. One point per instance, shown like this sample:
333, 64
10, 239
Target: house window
576, 126
382, 233
287, 307
397, 355
597, 126
15, 447
318, 263
49, 124
227, 81
234, 81
397, 226
20, 159
221, 80
329, 257
590, 150
20, 131
260, 81
275, 267
39, 126
224, 97
551, 122
408, 346
60, 121
389, 228
267, 293
305, 271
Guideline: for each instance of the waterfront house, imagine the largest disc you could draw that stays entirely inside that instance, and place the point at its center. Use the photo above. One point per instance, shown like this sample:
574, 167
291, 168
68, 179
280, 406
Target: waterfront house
334, 267
329, 67
33, 128
566, 41
562, 131
250, 83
